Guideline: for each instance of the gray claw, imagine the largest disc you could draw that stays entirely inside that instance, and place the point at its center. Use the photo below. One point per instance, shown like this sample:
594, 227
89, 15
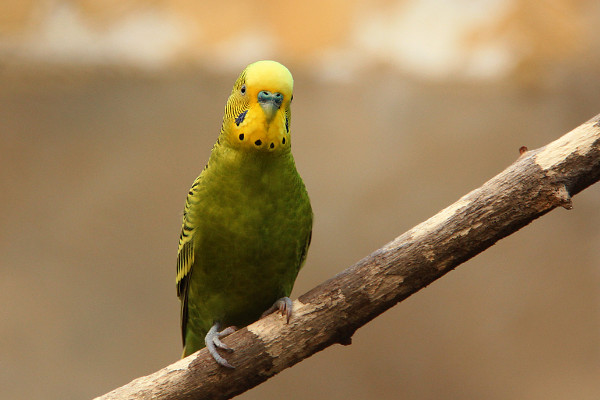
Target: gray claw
213, 342
284, 305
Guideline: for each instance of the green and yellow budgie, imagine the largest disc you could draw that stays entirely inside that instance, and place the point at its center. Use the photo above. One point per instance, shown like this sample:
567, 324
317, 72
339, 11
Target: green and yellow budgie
247, 221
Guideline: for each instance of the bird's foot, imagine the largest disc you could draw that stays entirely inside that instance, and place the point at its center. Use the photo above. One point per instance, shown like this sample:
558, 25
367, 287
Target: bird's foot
213, 342
284, 306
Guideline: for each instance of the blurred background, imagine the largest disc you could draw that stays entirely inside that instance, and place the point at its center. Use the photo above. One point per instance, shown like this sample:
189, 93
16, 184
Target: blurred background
108, 111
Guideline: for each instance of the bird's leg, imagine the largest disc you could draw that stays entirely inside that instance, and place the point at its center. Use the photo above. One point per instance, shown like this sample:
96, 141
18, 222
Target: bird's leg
213, 342
284, 305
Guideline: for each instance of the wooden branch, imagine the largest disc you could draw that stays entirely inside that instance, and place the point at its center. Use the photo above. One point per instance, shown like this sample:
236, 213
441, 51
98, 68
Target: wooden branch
537, 182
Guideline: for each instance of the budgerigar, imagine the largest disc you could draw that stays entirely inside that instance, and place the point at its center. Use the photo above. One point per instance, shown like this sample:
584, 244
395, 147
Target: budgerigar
247, 221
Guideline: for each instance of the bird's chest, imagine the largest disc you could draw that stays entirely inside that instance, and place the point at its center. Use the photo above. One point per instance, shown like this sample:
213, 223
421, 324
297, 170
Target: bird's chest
252, 228
247, 222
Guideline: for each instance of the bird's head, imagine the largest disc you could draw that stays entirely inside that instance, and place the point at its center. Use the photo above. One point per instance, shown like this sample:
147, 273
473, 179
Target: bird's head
257, 114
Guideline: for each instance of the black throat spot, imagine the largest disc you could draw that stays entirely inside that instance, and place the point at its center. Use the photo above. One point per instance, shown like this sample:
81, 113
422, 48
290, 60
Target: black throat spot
240, 118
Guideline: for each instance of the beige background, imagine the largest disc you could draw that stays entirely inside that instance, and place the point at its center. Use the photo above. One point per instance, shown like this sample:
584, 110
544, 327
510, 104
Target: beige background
108, 113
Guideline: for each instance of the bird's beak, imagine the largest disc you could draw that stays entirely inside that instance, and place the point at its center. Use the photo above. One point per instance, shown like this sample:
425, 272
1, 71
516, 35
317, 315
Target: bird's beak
270, 103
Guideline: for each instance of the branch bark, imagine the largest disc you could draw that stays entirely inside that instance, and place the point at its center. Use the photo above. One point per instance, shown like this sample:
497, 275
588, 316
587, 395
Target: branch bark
536, 183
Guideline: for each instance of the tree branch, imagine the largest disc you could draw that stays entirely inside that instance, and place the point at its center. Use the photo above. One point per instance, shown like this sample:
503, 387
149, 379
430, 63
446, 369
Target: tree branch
536, 183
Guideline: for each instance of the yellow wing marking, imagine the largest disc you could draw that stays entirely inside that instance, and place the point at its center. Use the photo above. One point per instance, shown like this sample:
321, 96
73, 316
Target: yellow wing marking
185, 254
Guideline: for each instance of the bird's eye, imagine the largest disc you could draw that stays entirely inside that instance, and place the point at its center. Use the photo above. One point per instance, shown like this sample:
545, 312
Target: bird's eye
243, 89
291, 98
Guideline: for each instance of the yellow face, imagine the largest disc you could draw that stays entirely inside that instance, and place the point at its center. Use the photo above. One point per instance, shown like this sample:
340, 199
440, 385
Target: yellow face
257, 115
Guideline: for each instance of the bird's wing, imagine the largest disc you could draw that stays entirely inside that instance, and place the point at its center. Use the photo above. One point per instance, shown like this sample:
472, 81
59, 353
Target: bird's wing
305, 250
185, 254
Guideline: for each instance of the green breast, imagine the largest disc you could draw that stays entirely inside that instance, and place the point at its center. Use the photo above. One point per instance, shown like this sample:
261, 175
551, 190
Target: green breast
253, 220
